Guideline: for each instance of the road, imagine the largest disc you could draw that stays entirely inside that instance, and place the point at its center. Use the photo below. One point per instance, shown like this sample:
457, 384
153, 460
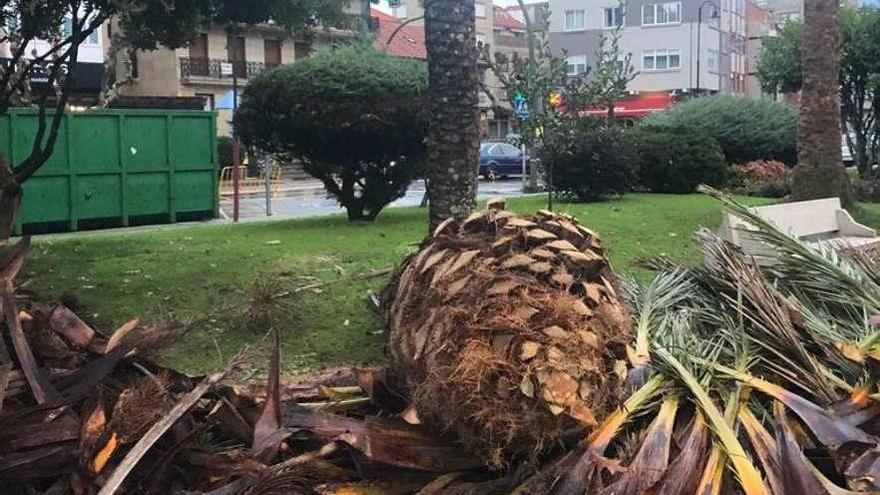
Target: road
310, 200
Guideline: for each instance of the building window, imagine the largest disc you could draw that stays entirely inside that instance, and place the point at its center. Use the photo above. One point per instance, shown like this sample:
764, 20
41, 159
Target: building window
235, 53
661, 60
480, 10
613, 17
133, 63
575, 20
198, 47
712, 60
67, 31
576, 65
661, 13
209, 100
67, 27
714, 17
272, 53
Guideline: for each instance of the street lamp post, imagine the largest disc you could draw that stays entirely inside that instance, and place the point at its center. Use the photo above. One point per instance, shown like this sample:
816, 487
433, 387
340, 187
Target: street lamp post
713, 16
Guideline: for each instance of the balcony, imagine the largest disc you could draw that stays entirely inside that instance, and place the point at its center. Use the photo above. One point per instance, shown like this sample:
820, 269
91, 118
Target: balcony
502, 41
210, 71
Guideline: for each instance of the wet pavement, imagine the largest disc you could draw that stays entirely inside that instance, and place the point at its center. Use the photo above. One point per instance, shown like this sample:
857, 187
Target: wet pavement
308, 199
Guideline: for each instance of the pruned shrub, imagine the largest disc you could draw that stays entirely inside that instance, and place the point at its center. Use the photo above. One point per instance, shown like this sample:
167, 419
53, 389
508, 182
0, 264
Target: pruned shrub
354, 116
762, 178
745, 128
677, 160
599, 163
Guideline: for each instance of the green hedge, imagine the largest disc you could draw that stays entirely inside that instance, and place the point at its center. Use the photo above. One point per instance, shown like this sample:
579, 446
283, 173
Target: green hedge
678, 159
745, 128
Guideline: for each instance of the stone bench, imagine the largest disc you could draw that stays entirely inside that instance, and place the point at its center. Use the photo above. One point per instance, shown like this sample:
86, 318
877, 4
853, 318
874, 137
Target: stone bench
820, 221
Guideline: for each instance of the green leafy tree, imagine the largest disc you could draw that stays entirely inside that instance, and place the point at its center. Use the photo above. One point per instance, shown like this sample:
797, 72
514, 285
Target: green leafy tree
780, 70
779, 64
557, 99
354, 116
146, 24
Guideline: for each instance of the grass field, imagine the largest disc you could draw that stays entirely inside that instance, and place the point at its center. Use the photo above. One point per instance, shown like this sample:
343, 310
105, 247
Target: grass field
188, 272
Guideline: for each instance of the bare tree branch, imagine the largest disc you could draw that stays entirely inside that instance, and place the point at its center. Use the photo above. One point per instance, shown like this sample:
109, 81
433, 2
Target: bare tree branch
402, 24
40, 152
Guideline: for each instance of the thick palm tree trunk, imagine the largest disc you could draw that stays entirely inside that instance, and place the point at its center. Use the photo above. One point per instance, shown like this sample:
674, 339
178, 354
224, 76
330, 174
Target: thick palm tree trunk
453, 133
819, 172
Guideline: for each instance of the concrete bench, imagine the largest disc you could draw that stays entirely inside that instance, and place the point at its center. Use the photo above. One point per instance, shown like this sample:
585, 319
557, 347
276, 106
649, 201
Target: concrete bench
821, 221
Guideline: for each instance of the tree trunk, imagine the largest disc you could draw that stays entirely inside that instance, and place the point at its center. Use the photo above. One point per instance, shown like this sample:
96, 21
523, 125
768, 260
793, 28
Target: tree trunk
819, 172
10, 199
453, 132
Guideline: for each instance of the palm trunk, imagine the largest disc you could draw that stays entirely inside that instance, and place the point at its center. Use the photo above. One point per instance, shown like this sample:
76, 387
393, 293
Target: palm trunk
819, 172
453, 132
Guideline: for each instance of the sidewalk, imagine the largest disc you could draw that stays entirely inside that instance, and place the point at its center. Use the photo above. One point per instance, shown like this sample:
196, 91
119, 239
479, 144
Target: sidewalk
306, 198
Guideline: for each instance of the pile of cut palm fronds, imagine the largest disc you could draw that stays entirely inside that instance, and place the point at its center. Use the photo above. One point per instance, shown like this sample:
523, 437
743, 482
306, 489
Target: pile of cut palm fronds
746, 380
741, 380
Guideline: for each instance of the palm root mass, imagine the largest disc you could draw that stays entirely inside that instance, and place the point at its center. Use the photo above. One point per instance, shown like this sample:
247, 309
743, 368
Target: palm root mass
507, 331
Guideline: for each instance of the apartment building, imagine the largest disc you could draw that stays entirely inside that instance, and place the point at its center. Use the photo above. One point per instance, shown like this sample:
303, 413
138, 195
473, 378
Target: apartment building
680, 47
209, 65
87, 73
535, 10
495, 114
759, 26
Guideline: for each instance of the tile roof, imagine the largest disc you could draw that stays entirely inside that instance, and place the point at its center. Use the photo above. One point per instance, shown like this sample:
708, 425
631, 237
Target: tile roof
504, 20
408, 42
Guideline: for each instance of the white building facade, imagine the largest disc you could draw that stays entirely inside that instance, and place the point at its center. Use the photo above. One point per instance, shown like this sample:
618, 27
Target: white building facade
667, 41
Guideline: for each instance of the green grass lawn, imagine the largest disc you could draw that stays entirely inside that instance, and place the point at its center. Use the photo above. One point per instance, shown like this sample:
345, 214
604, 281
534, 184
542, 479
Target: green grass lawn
189, 272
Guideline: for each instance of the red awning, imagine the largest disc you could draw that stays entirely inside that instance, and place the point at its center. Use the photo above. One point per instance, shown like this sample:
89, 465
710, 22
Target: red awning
637, 106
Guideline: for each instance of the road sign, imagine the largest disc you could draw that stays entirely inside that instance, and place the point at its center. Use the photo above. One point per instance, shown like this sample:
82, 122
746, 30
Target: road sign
225, 68
520, 106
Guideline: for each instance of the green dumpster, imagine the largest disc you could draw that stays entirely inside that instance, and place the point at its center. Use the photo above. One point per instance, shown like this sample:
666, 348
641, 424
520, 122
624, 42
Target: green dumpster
117, 168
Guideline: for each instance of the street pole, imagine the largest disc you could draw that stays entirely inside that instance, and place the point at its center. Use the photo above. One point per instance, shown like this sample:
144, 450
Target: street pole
268, 167
534, 100
523, 150
699, 36
236, 144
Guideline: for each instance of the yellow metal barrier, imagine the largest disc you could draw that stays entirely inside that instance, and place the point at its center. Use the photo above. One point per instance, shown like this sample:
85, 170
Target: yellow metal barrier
248, 186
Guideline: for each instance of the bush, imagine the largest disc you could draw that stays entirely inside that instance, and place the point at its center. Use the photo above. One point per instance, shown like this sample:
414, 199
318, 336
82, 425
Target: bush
762, 178
354, 116
599, 163
747, 129
224, 151
865, 190
677, 160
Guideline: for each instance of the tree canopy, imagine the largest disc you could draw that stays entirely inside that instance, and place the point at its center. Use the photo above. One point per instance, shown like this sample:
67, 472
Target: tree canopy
780, 70
354, 116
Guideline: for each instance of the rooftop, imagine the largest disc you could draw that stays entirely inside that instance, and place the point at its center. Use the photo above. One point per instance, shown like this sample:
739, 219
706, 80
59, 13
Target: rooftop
409, 40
